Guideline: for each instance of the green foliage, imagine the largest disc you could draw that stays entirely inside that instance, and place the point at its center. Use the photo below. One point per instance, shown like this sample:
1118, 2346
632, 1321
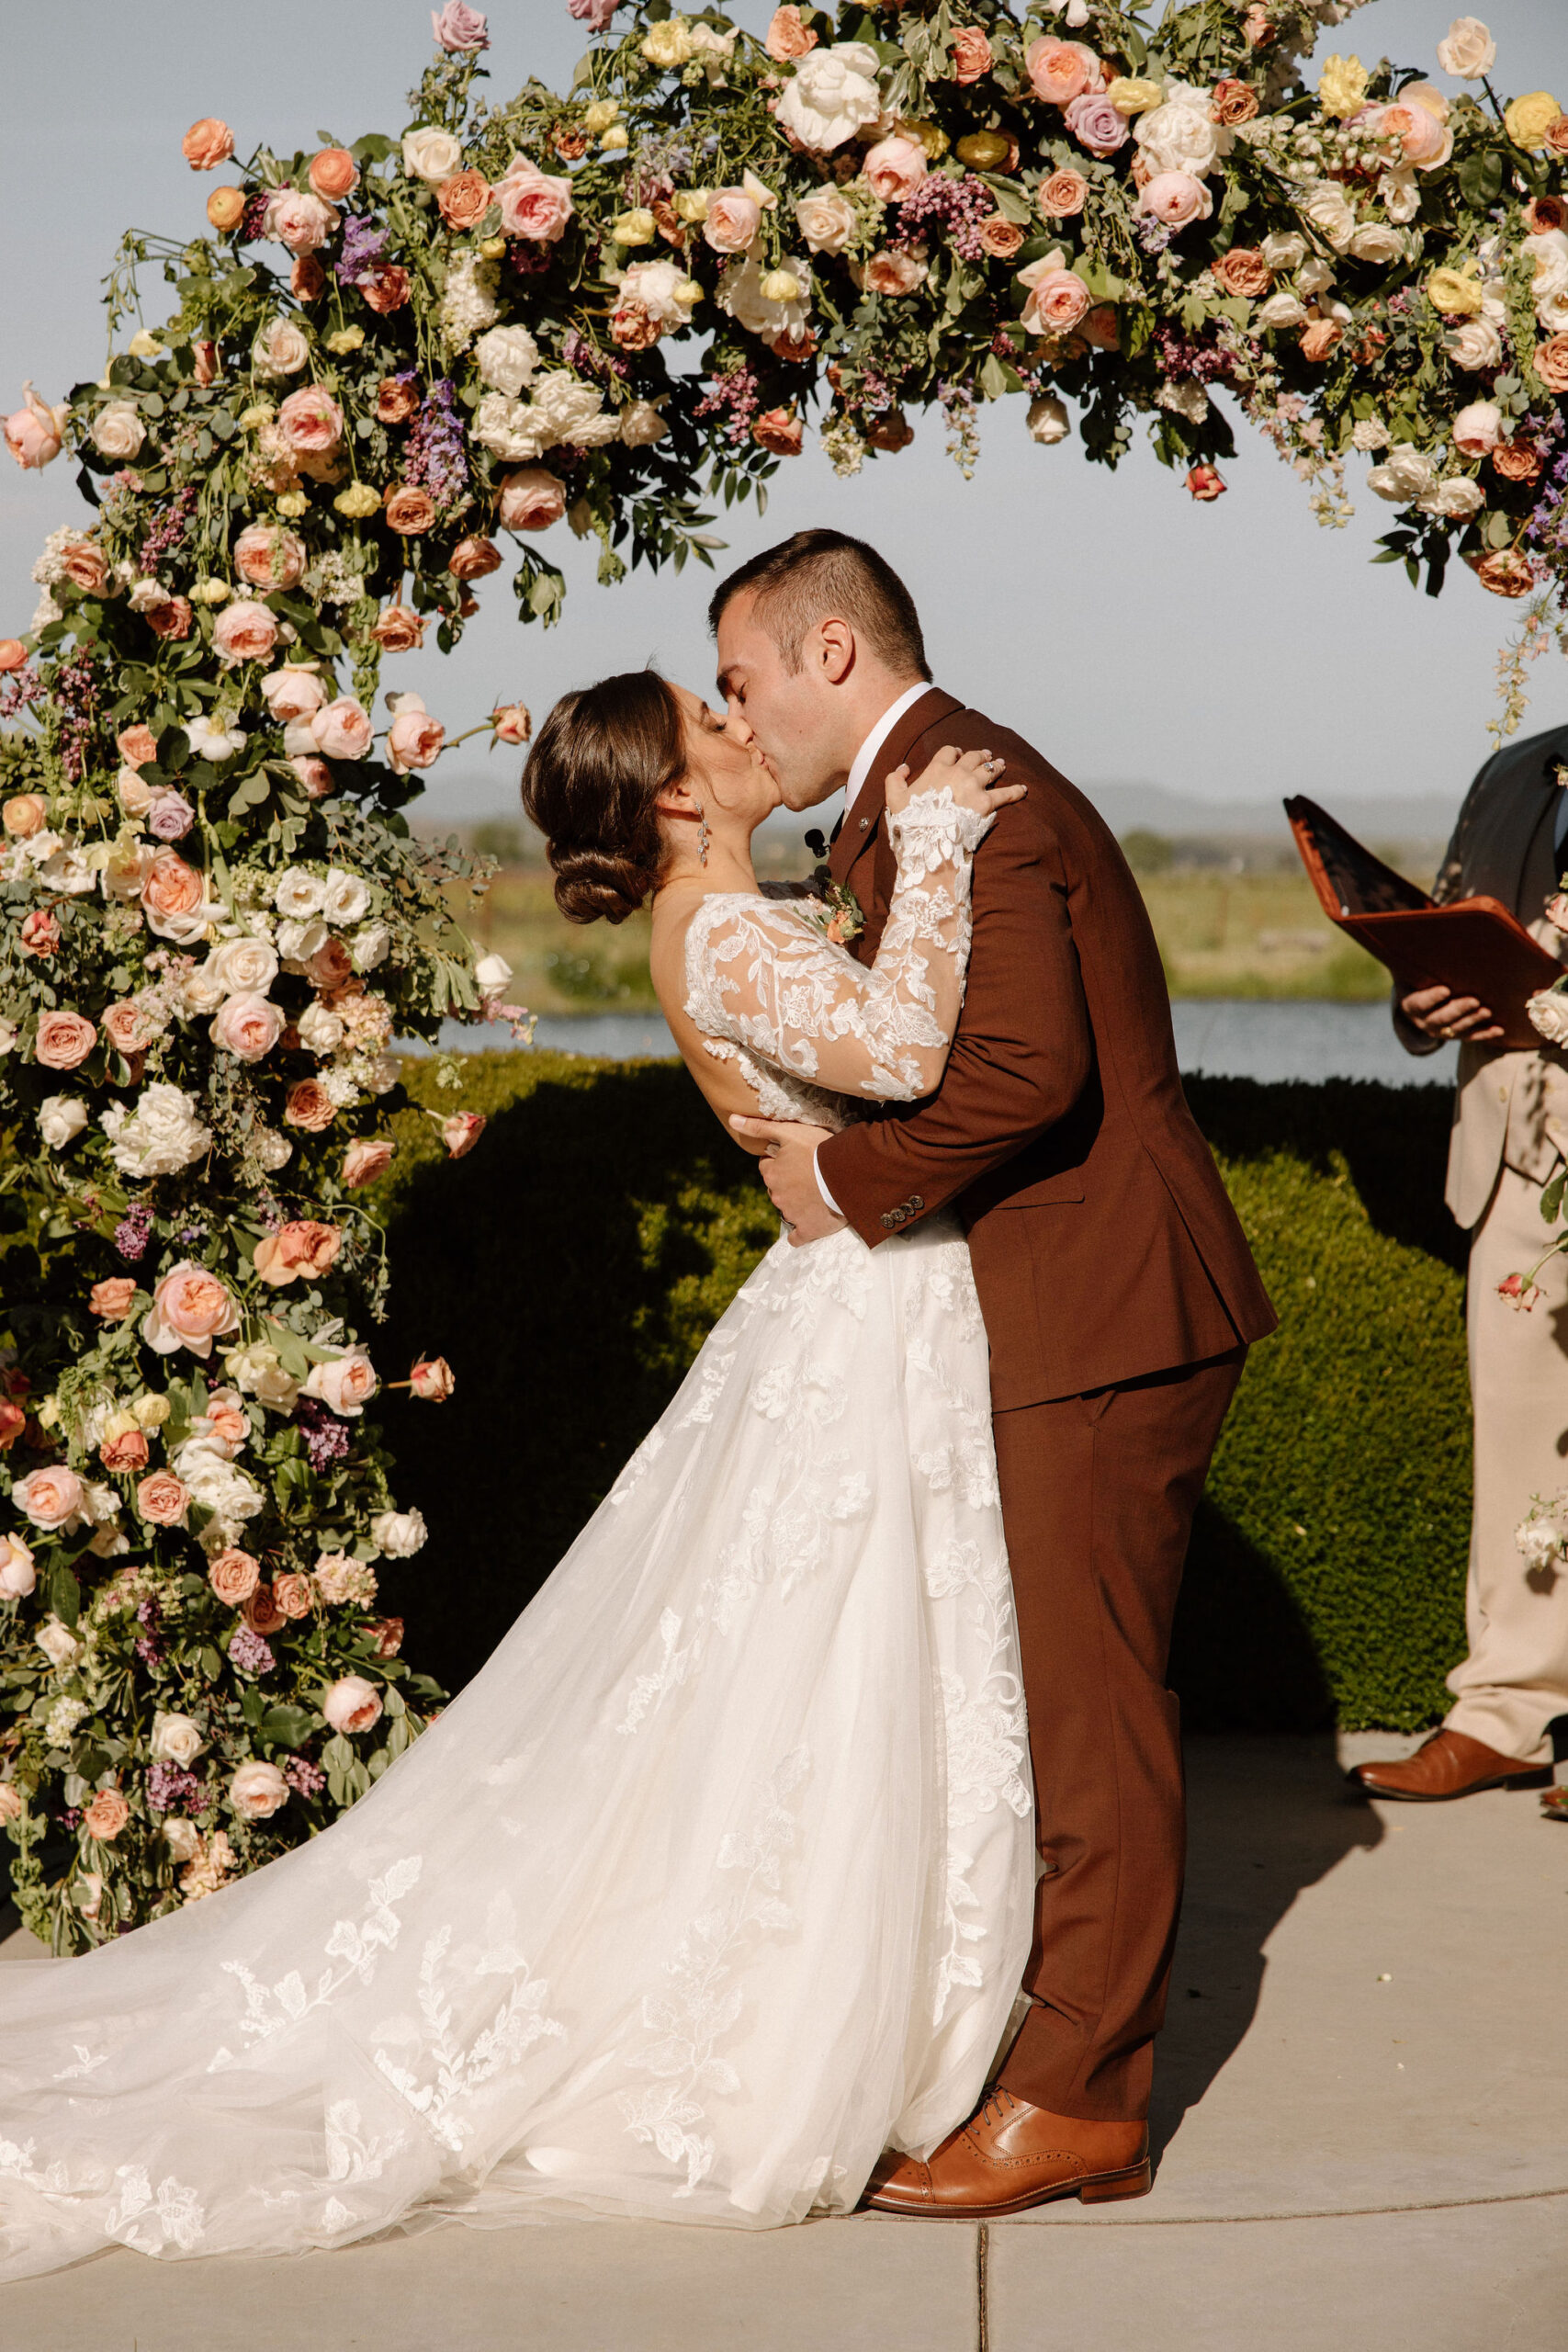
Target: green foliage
572, 1264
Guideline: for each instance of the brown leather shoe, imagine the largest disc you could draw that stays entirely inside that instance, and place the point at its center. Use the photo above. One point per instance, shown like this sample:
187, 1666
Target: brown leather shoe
1011, 2155
1450, 1764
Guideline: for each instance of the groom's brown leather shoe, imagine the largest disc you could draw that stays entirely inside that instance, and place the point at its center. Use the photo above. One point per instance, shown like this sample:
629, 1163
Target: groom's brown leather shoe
1011, 2155
1450, 1764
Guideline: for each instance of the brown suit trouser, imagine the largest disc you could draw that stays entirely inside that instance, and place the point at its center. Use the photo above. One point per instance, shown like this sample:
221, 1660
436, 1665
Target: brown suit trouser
1098, 1497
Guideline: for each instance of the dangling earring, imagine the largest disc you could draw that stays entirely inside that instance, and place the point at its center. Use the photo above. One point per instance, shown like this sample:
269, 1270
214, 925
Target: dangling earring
703, 838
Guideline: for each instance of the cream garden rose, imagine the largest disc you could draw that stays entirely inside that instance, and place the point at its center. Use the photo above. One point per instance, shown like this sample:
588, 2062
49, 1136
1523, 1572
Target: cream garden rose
258, 1789
831, 94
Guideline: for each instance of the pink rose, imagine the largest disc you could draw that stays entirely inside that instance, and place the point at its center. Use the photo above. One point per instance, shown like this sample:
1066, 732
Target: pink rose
459, 29
207, 144
292, 694
172, 889
972, 56
352, 1703
50, 1498
512, 722
190, 1308
299, 1251
893, 273
110, 1299
415, 738
787, 38
169, 815
1423, 138
343, 729
314, 775
1095, 123
35, 434
1175, 197
300, 220
366, 1159
1057, 297
247, 1025
105, 1817
162, 1499
39, 933
291, 1595
461, 1131
733, 220
64, 1040
1478, 428
432, 1379
233, 1577
269, 557
344, 1384
310, 420
258, 1790
532, 203
244, 632
894, 168
1059, 70
532, 498
1205, 484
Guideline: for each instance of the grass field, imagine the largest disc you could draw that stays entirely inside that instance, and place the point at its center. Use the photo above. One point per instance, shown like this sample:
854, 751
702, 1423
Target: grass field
1221, 934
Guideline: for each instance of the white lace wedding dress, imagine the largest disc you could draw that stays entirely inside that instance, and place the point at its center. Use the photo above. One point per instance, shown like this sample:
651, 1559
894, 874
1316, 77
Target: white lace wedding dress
718, 1877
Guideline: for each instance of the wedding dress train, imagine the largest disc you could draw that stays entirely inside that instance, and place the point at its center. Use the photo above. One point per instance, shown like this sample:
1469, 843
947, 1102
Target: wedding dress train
718, 1877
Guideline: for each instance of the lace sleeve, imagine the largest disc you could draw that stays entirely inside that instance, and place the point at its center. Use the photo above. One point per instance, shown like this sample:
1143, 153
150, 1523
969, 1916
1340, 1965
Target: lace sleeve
764, 974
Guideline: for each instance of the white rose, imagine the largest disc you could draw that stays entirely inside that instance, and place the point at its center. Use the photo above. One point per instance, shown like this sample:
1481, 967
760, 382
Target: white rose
398, 1533
160, 1136
508, 428
492, 972
320, 1028
432, 154
61, 1118
1456, 499
272, 1150
17, 1574
298, 942
831, 94
175, 1740
1284, 250
741, 293
345, 897
256, 1370
282, 348
182, 1837
382, 1074
506, 358
227, 1492
1324, 205
1469, 52
1048, 419
370, 945
662, 287
299, 739
118, 431
1375, 241
1549, 256
1178, 135
1397, 191
60, 1645
70, 871
1407, 475
826, 218
563, 405
1476, 343
299, 892
1478, 428
1549, 1018
258, 1790
243, 966
1279, 311
642, 425
202, 991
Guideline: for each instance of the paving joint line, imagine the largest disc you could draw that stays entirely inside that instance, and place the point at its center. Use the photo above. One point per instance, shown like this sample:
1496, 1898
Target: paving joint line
1325, 2213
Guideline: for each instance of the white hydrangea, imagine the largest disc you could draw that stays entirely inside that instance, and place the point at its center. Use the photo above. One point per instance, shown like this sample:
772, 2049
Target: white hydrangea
161, 1135
63, 1720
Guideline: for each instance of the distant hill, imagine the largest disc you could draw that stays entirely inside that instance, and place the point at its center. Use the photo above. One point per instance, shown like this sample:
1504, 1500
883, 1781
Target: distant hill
1378, 817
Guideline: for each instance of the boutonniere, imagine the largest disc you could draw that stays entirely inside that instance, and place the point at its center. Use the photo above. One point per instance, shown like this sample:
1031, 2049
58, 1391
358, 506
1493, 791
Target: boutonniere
836, 911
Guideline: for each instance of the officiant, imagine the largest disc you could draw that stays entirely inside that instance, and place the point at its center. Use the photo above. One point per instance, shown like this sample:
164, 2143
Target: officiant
1510, 1134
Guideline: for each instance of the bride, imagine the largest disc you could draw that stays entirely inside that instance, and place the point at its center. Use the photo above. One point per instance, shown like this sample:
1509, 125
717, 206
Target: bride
718, 1878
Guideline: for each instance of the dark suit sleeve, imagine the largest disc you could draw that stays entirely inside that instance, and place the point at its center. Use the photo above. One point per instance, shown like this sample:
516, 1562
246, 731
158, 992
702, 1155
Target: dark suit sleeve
1021, 1056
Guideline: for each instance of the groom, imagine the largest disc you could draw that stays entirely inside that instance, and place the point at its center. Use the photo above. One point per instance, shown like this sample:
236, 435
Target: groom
1119, 1296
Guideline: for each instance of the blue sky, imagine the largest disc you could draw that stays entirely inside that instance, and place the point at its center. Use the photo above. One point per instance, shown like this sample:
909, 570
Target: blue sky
1234, 650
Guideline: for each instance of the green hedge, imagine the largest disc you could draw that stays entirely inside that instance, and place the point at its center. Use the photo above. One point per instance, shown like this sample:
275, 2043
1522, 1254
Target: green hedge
570, 1267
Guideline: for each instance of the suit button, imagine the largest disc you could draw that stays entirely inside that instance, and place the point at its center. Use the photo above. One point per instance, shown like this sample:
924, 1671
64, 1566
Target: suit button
916, 1202
865, 824
1502, 1094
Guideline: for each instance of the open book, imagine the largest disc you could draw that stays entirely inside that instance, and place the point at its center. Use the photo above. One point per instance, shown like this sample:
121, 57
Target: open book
1474, 947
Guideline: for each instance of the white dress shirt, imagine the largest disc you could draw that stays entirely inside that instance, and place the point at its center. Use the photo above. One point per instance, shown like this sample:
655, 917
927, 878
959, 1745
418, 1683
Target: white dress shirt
854, 782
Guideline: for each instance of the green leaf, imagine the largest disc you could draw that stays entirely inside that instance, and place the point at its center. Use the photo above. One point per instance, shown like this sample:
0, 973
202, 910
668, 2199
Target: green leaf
64, 1595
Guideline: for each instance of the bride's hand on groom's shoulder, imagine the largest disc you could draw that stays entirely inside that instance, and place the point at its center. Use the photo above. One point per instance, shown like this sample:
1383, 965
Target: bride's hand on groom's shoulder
973, 777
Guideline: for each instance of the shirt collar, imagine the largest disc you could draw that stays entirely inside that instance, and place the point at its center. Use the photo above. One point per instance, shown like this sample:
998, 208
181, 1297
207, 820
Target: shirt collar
878, 736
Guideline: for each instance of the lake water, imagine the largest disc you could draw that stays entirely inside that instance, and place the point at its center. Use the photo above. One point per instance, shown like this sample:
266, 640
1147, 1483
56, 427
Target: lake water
1222, 1037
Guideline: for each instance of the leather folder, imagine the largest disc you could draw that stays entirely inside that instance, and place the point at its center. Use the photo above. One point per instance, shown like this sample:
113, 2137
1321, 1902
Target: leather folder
1474, 947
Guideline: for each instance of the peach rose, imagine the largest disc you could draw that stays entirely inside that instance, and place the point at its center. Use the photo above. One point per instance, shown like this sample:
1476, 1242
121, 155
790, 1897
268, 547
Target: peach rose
1552, 362
733, 220
512, 722
894, 168
1422, 137
344, 1384
110, 1299
1505, 572
1232, 102
207, 144
226, 209
464, 199
1244, 271
415, 738
137, 746
1177, 199
1057, 297
86, 568
18, 1576
400, 629
461, 1131
891, 431
1516, 461
893, 273
351, 1703
35, 434
474, 558
1059, 70
26, 814
395, 401
787, 38
1101, 328
333, 173
64, 1040
13, 653
50, 1496
299, 220
162, 1499
1000, 237
261, 1611
331, 965
971, 54
233, 1577
269, 557
301, 1251
125, 1026
777, 429
1063, 194
258, 1789
1318, 338
409, 510
386, 290
171, 887
314, 776
291, 694
126, 1454
432, 1379
171, 617
105, 1817
367, 1158
388, 1633
190, 1308
246, 1025
244, 632
310, 420
533, 205
1205, 484
342, 729
309, 1106
291, 1595
13, 1421
532, 498
39, 933
1544, 213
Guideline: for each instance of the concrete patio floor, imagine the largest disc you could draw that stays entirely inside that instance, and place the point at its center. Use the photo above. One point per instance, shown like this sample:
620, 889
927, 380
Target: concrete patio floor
1361, 2124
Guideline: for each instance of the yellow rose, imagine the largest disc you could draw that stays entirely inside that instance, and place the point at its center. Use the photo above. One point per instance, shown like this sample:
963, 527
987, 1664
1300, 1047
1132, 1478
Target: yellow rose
929, 135
345, 340
121, 1424
614, 140
600, 115
1455, 293
1130, 94
211, 591
293, 503
637, 227
492, 248
151, 1412
691, 204
254, 418
356, 499
1526, 120
1341, 86
670, 43
780, 286
143, 345
687, 293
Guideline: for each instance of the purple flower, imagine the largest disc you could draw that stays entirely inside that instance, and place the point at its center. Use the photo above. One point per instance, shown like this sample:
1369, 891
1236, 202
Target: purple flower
17, 689
171, 529
307, 1779
459, 29
435, 452
326, 1437
595, 14
170, 1785
363, 249
170, 817
959, 206
134, 1231
249, 1653
1095, 123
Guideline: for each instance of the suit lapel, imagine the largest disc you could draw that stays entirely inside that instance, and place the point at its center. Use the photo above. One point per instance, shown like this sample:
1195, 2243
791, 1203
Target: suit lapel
864, 822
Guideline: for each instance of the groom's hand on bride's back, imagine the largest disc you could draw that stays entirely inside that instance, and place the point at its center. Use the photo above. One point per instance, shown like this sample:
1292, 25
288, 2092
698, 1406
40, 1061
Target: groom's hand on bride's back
789, 1152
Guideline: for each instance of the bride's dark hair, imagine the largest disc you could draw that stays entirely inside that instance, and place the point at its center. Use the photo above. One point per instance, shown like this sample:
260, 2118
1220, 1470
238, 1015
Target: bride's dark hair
599, 761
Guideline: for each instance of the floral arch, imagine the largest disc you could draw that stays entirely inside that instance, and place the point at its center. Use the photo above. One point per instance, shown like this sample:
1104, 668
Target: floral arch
596, 311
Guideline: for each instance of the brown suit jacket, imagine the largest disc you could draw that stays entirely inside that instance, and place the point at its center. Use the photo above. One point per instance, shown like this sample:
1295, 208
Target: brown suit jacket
1104, 1244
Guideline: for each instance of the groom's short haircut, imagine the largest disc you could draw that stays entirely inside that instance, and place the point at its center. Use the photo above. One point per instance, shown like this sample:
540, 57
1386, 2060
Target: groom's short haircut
818, 575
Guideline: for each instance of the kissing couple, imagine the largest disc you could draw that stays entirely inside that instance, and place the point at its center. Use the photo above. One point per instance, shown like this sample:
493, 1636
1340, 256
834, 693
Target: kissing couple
815, 1837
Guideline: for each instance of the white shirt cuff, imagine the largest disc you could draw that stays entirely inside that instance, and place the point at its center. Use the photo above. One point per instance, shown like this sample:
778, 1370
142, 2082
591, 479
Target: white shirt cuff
822, 1186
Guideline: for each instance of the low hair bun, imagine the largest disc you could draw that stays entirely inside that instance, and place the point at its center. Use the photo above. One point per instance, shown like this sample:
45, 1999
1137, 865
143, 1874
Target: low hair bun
592, 786
593, 887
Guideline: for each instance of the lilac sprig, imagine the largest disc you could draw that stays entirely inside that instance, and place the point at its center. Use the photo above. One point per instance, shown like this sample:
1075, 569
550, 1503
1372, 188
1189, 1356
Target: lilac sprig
134, 1231
170, 1786
436, 455
957, 205
326, 1437
307, 1779
249, 1653
171, 529
365, 249
739, 396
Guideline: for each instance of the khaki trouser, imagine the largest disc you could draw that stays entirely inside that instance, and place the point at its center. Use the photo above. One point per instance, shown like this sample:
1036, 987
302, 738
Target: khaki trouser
1516, 1677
